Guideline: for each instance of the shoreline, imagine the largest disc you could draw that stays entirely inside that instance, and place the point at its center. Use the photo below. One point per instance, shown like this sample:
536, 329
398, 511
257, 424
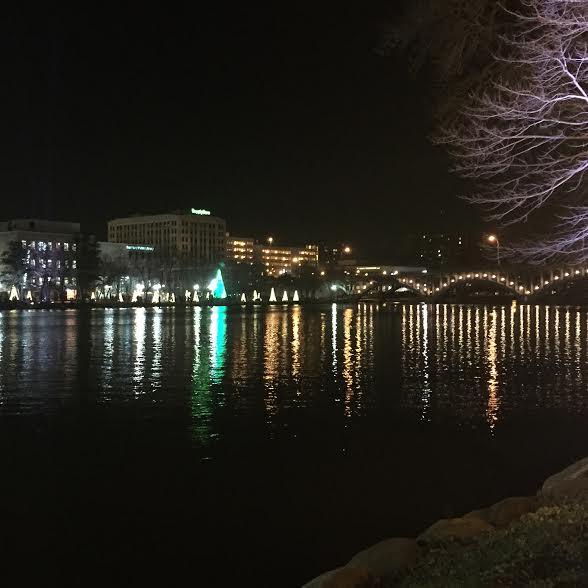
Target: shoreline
388, 304
509, 541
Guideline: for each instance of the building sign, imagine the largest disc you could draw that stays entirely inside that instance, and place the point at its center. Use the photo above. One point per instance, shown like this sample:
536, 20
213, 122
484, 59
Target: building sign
201, 211
139, 248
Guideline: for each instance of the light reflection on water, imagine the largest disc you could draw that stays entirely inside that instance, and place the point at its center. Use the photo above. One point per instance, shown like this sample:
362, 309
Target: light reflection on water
476, 365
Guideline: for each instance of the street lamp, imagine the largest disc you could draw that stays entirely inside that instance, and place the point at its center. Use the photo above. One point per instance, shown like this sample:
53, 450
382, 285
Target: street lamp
270, 240
494, 239
347, 249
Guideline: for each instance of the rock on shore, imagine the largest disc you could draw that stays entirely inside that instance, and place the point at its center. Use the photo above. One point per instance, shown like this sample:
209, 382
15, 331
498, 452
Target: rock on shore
379, 564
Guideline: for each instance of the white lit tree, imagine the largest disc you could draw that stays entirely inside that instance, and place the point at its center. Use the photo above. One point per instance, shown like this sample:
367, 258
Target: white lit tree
523, 138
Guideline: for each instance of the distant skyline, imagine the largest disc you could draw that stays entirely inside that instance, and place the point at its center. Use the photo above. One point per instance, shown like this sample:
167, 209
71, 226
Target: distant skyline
283, 121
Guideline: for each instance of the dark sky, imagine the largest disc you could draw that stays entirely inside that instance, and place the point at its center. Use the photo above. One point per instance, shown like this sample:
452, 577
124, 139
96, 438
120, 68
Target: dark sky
284, 120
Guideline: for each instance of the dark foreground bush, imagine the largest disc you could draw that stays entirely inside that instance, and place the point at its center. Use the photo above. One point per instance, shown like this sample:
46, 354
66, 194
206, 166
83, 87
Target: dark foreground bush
544, 549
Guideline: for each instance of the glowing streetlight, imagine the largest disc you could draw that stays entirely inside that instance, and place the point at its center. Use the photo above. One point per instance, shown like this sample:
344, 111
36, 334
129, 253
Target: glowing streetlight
494, 239
347, 249
270, 240
196, 286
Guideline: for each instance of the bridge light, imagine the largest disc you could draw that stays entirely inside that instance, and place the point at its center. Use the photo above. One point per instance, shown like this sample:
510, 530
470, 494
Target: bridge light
577, 272
410, 281
469, 275
528, 292
384, 272
555, 278
445, 285
566, 274
452, 280
536, 287
493, 276
503, 279
485, 275
545, 283
437, 289
460, 278
521, 287
477, 275
511, 283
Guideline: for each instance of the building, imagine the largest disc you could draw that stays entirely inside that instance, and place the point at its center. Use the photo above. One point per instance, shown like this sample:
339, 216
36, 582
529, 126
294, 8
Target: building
442, 250
334, 256
281, 259
240, 249
47, 268
195, 234
123, 252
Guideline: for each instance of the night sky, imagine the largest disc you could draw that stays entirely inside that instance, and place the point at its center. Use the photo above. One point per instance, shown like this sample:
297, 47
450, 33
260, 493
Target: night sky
283, 120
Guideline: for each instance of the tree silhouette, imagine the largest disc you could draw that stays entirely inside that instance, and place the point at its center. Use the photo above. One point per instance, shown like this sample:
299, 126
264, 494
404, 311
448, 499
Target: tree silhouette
523, 138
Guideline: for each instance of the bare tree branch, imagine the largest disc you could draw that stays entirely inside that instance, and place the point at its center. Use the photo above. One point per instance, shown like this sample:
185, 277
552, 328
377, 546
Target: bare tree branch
524, 137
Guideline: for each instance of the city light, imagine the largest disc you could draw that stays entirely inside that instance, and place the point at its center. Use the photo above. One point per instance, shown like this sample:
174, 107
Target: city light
347, 249
494, 239
196, 286
200, 211
270, 240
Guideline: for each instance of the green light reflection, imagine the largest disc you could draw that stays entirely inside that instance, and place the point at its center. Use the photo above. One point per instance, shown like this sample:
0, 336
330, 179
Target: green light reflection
208, 364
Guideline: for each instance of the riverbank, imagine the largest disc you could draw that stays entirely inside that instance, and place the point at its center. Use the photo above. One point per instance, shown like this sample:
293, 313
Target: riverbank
539, 540
116, 304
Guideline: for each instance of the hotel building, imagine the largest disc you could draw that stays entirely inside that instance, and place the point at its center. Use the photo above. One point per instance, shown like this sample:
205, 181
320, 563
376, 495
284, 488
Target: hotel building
240, 249
195, 234
280, 259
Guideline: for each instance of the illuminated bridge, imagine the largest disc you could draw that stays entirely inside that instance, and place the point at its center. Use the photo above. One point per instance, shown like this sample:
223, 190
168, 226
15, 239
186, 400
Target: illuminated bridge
523, 283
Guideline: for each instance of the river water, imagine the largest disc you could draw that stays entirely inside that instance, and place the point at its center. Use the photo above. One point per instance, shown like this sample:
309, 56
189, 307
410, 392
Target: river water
262, 446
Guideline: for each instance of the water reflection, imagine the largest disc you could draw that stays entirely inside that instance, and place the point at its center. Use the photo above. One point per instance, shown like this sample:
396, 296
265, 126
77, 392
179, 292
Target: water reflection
471, 364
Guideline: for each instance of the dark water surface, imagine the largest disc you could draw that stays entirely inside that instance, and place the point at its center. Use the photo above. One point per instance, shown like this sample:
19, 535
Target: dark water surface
260, 447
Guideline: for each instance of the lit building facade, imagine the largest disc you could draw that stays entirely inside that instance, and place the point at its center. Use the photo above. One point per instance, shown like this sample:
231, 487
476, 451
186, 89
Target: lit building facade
240, 249
280, 259
45, 257
195, 235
